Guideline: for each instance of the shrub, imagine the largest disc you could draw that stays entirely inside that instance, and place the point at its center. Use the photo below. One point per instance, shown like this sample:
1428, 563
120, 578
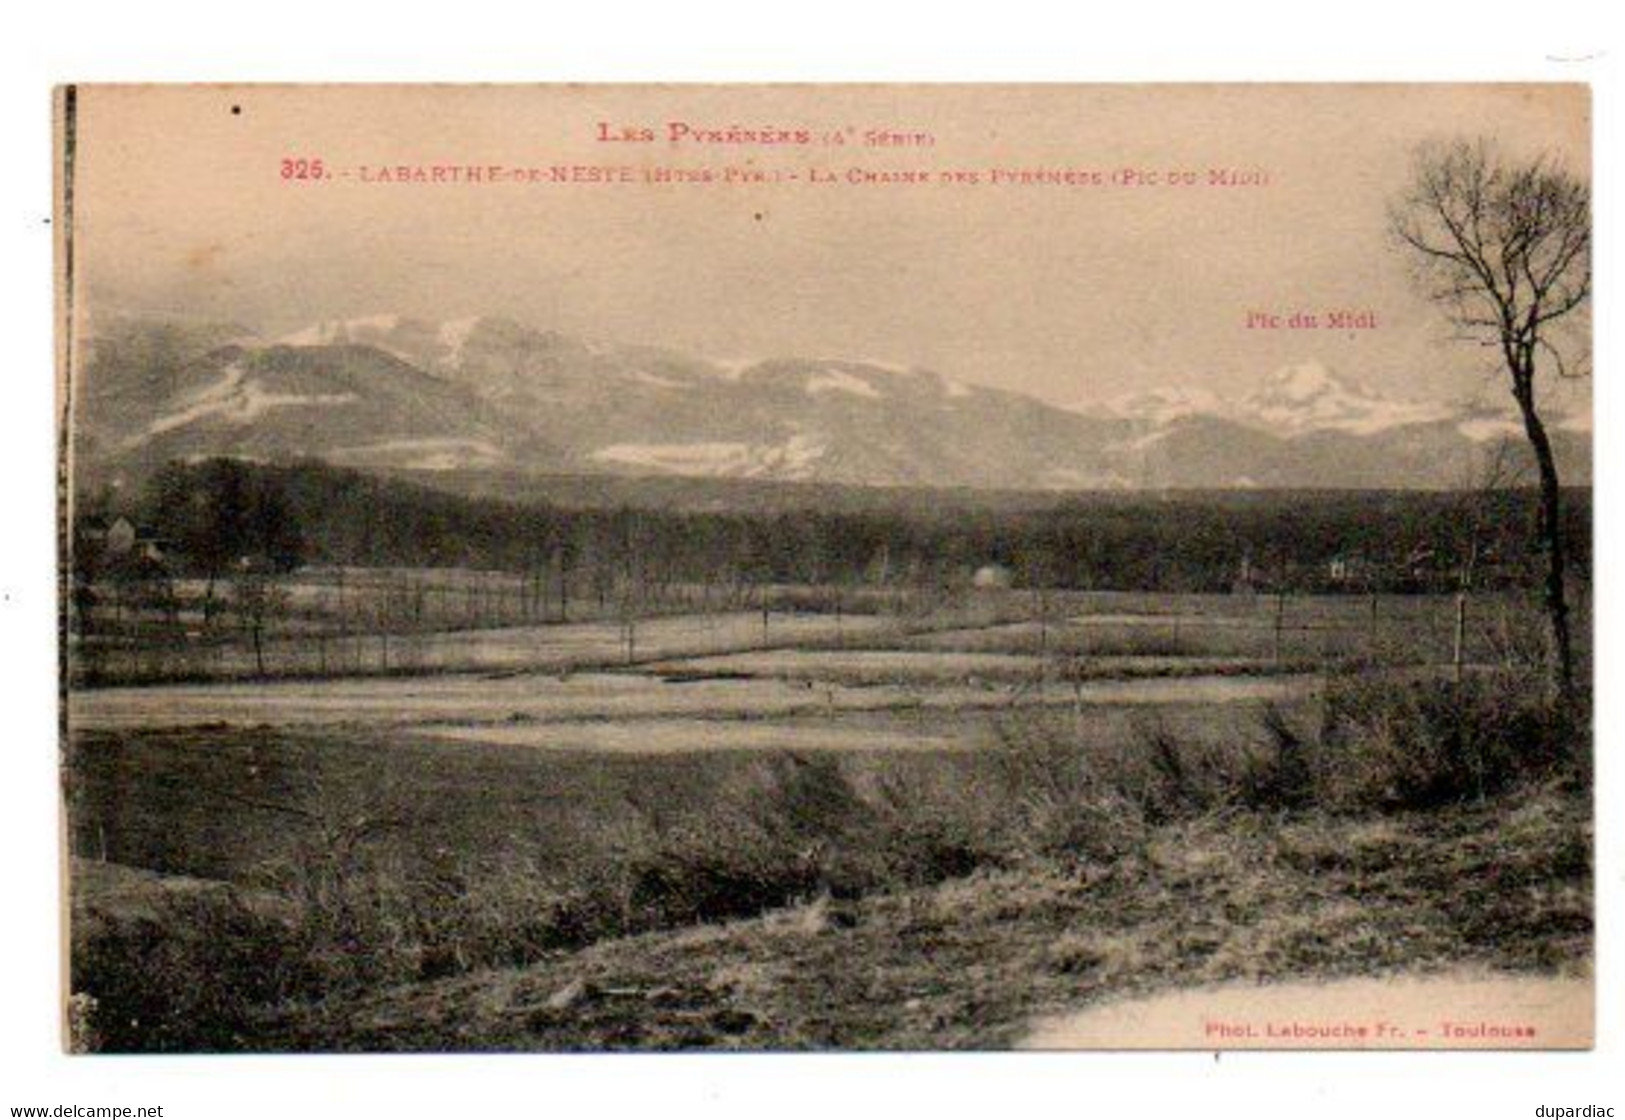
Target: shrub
1390, 744
933, 824
1182, 780
1283, 774
1382, 743
190, 978
1062, 796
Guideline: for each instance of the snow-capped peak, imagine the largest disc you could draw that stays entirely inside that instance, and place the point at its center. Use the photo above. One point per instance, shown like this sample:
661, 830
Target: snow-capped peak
1305, 382
1290, 401
1309, 397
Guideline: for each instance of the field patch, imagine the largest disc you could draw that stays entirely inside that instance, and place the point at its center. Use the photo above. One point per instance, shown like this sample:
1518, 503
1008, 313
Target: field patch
469, 698
666, 736
778, 688
865, 666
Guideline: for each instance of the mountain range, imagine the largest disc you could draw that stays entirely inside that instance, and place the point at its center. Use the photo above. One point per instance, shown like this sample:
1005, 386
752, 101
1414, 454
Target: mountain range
393, 392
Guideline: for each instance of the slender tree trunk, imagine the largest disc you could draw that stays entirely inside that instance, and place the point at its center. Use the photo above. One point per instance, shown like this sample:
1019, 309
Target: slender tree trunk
564, 587
1551, 532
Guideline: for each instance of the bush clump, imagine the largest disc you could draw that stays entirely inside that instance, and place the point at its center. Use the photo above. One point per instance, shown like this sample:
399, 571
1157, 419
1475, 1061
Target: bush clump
1419, 744
191, 977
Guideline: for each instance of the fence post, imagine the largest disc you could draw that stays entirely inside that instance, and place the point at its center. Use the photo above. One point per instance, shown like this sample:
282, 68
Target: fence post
1280, 621
1458, 654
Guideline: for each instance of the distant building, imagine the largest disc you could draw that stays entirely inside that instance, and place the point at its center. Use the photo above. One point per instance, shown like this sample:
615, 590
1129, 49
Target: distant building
121, 537
123, 541
992, 576
1345, 571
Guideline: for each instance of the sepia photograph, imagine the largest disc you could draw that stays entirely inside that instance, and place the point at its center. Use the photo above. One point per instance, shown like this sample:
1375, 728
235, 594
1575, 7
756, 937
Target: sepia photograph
846, 567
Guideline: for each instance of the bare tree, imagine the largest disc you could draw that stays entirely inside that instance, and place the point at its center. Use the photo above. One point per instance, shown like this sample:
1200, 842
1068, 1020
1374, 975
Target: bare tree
1504, 248
260, 602
1492, 473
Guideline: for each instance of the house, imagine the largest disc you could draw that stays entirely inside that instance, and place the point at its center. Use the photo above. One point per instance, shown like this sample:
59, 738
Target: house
121, 537
122, 540
1348, 571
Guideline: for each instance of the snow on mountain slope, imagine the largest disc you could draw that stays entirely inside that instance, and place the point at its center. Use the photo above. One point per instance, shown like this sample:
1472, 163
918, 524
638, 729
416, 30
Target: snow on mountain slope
837, 380
644, 377
1291, 401
346, 402
453, 333
794, 459
238, 399
388, 390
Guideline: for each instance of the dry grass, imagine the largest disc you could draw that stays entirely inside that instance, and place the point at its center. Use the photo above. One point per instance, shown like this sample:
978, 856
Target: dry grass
970, 962
911, 900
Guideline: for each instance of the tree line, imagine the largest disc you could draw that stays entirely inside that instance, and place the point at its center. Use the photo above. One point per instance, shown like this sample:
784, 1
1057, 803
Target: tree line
216, 518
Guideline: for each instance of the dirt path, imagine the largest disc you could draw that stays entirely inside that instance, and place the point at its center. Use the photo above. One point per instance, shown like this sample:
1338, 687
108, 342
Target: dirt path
1462, 1010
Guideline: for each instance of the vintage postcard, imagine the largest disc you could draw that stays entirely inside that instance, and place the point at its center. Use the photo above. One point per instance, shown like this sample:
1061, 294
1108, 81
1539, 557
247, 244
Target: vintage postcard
826, 567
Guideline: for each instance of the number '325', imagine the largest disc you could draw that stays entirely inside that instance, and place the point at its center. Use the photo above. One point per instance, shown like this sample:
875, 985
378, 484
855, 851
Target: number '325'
303, 169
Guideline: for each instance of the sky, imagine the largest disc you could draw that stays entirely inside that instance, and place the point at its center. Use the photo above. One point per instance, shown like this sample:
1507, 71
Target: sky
1074, 292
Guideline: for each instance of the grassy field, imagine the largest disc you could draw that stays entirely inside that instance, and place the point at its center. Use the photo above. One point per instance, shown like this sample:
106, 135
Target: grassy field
967, 959
236, 802
870, 831
972, 963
